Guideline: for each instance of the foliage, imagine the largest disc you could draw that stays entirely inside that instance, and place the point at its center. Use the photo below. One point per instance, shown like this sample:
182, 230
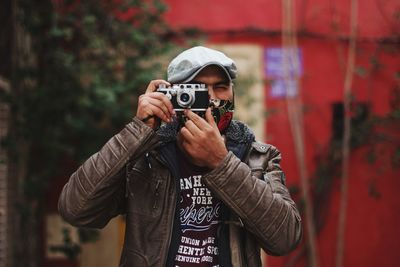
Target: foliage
90, 66
75, 85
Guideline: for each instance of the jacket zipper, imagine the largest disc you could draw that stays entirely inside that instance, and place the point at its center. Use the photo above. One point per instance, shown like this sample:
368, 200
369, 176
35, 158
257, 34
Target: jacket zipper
166, 251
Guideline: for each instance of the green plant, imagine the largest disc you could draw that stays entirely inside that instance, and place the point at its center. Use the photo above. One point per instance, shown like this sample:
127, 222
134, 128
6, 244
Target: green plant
75, 77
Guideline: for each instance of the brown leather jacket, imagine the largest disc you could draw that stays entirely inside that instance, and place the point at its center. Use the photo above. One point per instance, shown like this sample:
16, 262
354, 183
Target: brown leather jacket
131, 175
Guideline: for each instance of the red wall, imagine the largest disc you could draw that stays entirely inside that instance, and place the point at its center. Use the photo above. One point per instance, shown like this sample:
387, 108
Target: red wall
372, 222
376, 17
373, 212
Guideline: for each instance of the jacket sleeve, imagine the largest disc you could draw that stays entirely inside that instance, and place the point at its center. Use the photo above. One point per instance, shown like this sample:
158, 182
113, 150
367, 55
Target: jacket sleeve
95, 192
263, 205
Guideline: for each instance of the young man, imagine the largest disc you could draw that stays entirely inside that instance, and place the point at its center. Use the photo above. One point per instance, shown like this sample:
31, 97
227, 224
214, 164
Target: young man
196, 192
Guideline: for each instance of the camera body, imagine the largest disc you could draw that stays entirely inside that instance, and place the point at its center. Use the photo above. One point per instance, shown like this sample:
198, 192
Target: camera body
187, 96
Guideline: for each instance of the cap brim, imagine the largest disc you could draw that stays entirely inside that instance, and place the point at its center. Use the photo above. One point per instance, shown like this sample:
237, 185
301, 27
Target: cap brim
194, 74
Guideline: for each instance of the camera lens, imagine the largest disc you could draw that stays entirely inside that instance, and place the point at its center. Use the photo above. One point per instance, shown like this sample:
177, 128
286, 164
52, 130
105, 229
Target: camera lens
185, 97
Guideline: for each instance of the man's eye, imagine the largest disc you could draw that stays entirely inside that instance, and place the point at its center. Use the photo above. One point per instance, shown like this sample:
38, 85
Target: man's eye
221, 87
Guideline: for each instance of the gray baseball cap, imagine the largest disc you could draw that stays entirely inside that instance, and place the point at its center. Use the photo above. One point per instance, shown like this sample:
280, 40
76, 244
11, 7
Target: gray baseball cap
184, 67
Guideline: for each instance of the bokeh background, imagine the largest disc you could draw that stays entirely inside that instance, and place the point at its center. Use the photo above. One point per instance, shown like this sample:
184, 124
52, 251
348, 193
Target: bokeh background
319, 79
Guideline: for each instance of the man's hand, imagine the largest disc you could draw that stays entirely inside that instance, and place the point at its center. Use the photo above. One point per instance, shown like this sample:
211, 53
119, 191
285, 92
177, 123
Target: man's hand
153, 105
201, 141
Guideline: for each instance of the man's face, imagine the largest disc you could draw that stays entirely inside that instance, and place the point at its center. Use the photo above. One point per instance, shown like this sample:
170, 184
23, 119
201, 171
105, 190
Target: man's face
219, 86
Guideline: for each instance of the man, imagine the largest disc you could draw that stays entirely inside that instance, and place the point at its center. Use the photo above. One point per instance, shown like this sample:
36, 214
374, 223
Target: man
196, 192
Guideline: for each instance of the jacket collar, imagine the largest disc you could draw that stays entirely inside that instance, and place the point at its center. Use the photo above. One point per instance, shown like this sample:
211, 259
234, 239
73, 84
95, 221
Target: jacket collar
236, 133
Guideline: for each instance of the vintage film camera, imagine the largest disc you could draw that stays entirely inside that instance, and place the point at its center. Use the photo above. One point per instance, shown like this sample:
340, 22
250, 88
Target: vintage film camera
187, 96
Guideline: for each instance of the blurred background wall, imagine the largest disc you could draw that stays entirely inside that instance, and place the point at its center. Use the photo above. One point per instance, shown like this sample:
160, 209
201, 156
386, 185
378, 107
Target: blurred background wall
296, 60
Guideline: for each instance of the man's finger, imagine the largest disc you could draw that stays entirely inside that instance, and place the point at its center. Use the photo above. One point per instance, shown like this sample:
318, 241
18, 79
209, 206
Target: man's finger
210, 118
160, 104
158, 112
162, 97
149, 104
186, 134
154, 84
197, 120
194, 130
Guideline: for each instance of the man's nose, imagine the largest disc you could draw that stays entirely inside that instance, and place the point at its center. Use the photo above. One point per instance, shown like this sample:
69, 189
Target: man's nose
211, 93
